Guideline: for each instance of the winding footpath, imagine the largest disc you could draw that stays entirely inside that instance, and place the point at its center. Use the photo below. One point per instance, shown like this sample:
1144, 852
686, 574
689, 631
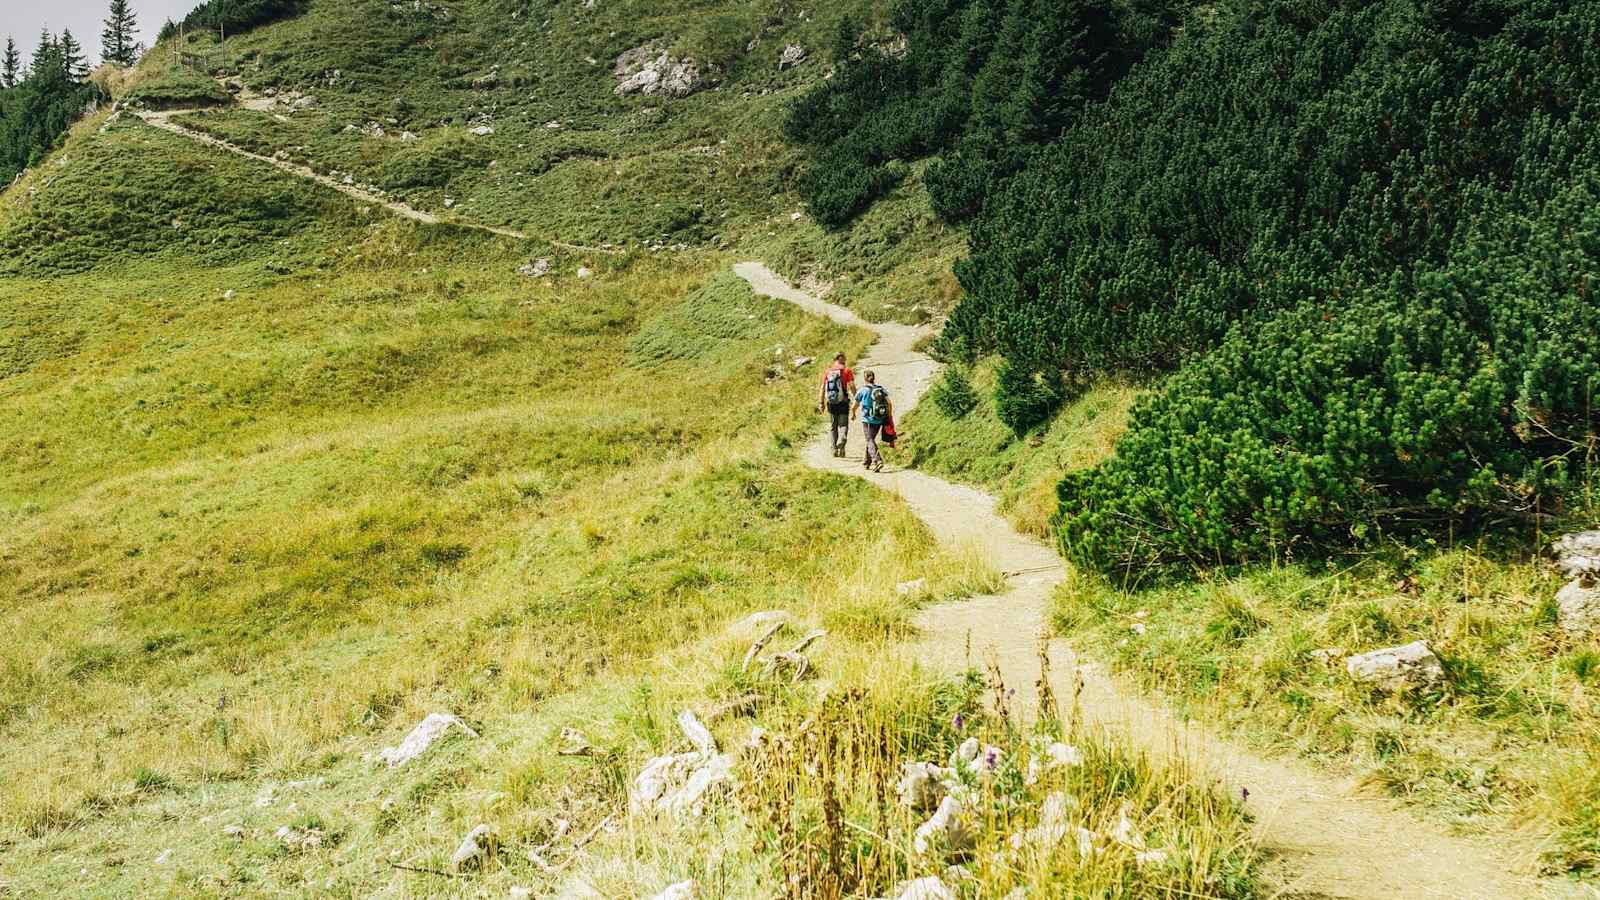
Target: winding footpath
1325, 839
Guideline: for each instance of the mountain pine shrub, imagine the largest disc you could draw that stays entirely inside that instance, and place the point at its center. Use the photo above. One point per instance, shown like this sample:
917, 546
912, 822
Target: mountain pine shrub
1464, 394
954, 394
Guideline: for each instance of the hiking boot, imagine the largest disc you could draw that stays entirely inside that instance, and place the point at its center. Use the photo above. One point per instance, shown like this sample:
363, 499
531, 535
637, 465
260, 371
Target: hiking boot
877, 466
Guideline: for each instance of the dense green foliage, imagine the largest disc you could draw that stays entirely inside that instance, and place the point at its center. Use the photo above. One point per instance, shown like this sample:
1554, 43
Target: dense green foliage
984, 79
118, 42
177, 88
43, 102
233, 16
1463, 392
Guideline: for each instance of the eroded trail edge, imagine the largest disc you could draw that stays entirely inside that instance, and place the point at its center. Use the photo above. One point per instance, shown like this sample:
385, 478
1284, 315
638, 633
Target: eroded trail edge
1326, 839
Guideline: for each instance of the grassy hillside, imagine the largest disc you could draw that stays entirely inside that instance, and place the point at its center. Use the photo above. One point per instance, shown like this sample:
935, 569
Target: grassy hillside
291, 473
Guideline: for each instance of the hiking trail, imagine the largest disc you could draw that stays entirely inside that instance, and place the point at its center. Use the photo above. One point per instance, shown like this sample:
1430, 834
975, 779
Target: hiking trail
1326, 839
163, 120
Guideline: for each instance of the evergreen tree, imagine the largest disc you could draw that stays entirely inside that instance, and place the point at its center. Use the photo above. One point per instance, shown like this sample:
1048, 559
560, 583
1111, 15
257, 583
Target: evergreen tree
46, 59
73, 63
116, 42
10, 65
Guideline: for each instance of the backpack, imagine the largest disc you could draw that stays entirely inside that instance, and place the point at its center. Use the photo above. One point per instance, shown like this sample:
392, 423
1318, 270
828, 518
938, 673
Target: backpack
835, 388
878, 405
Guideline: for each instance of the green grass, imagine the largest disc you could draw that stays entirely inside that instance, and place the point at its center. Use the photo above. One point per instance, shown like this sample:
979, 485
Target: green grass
979, 449
175, 87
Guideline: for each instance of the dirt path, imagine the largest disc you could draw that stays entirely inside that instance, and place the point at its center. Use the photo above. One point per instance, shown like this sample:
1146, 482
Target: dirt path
1327, 840
163, 120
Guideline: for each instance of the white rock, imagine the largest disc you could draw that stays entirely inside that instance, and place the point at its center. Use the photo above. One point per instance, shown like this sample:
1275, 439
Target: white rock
683, 890
946, 828
234, 831
800, 362
796, 216
449, 203
536, 269
163, 856
408, 136
483, 130
1151, 857
1578, 555
583, 272
1409, 667
1579, 608
520, 892
930, 888
296, 839
228, 295
793, 55
680, 783
754, 625
430, 730
1049, 758
922, 784
908, 588
1328, 655
697, 733
1138, 628
1053, 826
474, 846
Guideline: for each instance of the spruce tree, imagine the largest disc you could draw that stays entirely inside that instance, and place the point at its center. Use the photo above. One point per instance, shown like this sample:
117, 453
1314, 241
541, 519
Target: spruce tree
46, 62
73, 65
10, 65
116, 42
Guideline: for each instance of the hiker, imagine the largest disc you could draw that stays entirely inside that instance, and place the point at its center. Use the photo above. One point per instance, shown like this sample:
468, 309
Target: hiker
876, 412
838, 386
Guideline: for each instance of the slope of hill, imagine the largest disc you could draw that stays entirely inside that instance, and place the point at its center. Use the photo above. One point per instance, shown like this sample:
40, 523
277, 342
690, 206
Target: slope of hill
292, 473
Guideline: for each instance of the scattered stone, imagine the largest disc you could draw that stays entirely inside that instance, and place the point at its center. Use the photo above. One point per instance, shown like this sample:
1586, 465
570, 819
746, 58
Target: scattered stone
519, 892
476, 845
430, 730
946, 828
1139, 628
228, 294
408, 136
800, 362
584, 272
923, 785
793, 55
796, 216
536, 269
1327, 656
575, 743
163, 856
1049, 758
1410, 667
483, 130
1579, 608
1052, 828
298, 839
680, 783
909, 588
234, 831
930, 888
683, 890
697, 733
552, 125
1578, 555
1151, 857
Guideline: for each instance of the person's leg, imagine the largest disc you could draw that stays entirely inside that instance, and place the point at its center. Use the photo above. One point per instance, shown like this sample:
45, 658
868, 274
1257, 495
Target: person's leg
841, 431
871, 432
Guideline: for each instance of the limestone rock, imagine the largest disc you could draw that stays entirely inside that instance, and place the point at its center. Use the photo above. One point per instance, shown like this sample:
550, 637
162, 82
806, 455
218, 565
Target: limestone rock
299, 839
922, 784
1050, 757
483, 130
697, 733
474, 847
650, 70
909, 588
793, 55
536, 269
683, 890
1053, 826
1579, 608
1409, 667
930, 888
1578, 555
429, 731
946, 828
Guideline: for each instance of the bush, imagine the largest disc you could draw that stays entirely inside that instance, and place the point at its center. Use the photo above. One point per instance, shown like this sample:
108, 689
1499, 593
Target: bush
1462, 395
1025, 398
954, 394
241, 15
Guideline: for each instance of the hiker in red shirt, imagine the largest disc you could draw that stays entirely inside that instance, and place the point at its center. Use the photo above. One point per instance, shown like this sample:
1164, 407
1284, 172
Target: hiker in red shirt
838, 386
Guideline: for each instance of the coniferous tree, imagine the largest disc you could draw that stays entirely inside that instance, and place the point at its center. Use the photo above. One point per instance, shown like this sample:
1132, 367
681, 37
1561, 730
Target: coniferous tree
73, 63
10, 65
46, 58
116, 42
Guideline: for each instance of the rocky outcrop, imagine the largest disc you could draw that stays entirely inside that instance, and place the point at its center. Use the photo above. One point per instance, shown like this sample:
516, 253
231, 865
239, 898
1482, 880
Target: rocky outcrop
1578, 555
682, 783
425, 735
1412, 667
793, 55
1579, 609
650, 70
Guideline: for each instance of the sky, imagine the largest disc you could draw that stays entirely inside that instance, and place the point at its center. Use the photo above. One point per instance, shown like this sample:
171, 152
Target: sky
23, 19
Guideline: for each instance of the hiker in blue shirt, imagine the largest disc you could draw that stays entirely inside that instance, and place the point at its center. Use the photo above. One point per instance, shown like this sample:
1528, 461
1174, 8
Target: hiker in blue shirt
876, 411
